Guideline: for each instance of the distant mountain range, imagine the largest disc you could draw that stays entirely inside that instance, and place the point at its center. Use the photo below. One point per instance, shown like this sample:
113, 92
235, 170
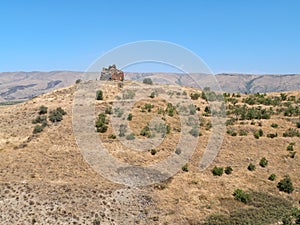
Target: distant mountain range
18, 86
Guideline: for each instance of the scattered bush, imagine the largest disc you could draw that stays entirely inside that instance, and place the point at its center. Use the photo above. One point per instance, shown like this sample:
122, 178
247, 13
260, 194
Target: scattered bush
37, 129
39, 119
263, 162
153, 151
228, 170
56, 115
298, 124
241, 196
178, 151
77, 81
231, 132
101, 123
290, 147
195, 96
170, 110
122, 130
194, 132
146, 132
271, 135
292, 154
108, 110
128, 94
217, 171
291, 132
274, 125
43, 110
185, 168
112, 136
272, 177
130, 136
251, 167
129, 117
99, 95
285, 185
243, 133
148, 81
153, 94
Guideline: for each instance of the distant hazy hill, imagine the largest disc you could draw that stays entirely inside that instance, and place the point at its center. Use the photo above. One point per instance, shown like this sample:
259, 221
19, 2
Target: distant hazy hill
16, 86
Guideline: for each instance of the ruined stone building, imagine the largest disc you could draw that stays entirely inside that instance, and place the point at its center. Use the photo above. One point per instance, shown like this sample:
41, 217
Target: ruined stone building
112, 73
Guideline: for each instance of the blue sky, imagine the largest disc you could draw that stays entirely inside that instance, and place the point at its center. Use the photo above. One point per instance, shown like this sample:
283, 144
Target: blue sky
230, 36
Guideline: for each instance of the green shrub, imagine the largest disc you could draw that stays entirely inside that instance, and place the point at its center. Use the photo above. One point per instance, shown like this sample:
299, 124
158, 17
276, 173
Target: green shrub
251, 167
291, 132
194, 132
43, 110
228, 170
99, 95
274, 125
290, 147
170, 110
61, 111
241, 196
285, 185
146, 132
39, 119
108, 110
195, 96
112, 136
148, 107
185, 168
55, 116
243, 133
101, 123
271, 135
77, 81
153, 151
263, 162
122, 130
298, 124
148, 81
37, 129
217, 171
130, 136
272, 177
129, 117
178, 151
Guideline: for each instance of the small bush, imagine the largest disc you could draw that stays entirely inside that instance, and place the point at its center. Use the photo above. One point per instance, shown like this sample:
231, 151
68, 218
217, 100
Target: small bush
43, 110
37, 129
195, 132
243, 133
285, 185
129, 118
272, 177
153, 151
228, 170
271, 135
146, 132
292, 154
61, 111
148, 81
291, 132
241, 196
55, 116
298, 124
274, 125
185, 168
99, 95
101, 123
195, 96
153, 94
251, 167
108, 110
112, 136
217, 171
178, 151
130, 136
263, 162
39, 119
77, 81
122, 130
290, 147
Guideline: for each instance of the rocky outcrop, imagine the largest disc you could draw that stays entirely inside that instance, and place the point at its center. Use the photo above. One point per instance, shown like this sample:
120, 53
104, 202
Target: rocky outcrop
112, 73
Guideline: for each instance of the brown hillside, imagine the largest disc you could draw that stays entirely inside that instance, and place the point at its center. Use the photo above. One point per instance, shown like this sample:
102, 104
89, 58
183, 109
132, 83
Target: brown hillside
45, 180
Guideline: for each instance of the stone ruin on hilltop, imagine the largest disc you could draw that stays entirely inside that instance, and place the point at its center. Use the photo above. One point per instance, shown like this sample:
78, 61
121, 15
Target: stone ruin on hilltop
112, 73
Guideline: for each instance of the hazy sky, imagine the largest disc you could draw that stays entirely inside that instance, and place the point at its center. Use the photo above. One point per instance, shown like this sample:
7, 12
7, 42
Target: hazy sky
257, 36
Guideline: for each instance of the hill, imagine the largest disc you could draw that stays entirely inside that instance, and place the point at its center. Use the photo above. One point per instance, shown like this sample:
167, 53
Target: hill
20, 86
46, 180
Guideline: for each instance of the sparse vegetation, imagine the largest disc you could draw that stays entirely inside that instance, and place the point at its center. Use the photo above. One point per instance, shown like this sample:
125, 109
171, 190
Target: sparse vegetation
99, 95
263, 162
228, 170
285, 185
101, 123
129, 117
38, 129
43, 110
56, 115
217, 171
241, 196
185, 168
148, 81
130, 136
272, 177
251, 167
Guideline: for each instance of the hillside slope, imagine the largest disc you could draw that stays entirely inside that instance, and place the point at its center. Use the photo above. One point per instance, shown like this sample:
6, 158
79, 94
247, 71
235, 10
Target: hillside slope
44, 179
